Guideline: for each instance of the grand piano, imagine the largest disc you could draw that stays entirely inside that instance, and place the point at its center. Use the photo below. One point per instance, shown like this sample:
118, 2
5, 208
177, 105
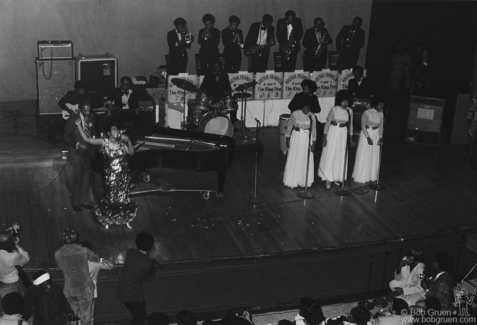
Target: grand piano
171, 148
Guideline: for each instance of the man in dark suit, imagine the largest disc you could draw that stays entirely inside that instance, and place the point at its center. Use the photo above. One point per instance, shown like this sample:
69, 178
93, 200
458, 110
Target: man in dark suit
209, 39
123, 104
316, 36
232, 38
442, 285
260, 34
80, 153
178, 45
217, 85
289, 34
349, 42
359, 86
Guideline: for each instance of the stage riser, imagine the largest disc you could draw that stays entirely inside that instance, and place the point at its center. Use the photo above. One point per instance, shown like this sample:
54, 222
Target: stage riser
263, 283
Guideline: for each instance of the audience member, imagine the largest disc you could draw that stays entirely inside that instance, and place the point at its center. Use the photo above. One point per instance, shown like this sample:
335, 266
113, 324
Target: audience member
358, 315
157, 319
397, 314
94, 268
11, 254
186, 317
431, 307
72, 259
408, 276
47, 302
309, 312
137, 268
12, 305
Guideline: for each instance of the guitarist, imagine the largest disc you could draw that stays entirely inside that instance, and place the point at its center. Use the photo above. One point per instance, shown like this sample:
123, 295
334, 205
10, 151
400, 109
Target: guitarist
349, 42
315, 37
261, 34
289, 33
69, 102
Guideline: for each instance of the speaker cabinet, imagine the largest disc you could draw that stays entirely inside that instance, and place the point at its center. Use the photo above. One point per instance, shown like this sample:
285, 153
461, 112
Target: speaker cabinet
54, 79
100, 72
425, 120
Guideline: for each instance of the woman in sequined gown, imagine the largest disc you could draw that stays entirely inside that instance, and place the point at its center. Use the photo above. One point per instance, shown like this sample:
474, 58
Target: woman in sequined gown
116, 208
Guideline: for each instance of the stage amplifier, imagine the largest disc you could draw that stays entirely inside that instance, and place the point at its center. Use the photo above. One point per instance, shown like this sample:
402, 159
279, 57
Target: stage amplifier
100, 72
54, 79
48, 50
425, 119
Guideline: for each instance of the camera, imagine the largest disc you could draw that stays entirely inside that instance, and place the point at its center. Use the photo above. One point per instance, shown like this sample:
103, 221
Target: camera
15, 230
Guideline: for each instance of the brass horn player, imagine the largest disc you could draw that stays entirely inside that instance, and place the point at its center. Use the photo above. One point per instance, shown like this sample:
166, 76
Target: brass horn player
316, 42
178, 40
349, 42
232, 39
289, 35
209, 38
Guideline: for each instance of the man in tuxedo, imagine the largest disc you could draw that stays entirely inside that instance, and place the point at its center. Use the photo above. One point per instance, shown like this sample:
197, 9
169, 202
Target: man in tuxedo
314, 37
178, 48
289, 33
209, 39
359, 86
216, 84
123, 103
349, 42
232, 38
80, 153
261, 34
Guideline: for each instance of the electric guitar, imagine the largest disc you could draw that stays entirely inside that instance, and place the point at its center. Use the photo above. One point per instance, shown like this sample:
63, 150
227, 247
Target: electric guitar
65, 114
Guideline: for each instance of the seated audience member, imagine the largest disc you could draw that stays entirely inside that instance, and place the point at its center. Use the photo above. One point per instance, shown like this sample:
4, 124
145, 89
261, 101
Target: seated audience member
432, 305
442, 285
309, 312
12, 305
397, 314
245, 319
186, 317
158, 319
359, 86
408, 276
46, 301
358, 315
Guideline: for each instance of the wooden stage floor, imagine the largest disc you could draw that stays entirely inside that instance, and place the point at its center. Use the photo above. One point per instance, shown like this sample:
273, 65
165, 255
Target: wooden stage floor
429, 190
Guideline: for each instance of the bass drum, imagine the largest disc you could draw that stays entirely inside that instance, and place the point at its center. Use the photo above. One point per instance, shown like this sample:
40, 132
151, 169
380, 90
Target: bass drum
210, 123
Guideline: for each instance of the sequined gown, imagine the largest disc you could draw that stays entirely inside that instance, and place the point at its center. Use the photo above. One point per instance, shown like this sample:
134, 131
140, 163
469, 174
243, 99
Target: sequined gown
116, 208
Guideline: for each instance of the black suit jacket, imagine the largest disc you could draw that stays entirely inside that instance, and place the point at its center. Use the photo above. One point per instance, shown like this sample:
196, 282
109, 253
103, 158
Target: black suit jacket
176, 52
252, 36
358, 42
300, 100
116, 99
310, 42
362, 90
442, 289
216, 88
282, 32
73, 136
231, 47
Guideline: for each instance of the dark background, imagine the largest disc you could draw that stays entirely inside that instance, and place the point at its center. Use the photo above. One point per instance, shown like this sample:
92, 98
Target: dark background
447, 28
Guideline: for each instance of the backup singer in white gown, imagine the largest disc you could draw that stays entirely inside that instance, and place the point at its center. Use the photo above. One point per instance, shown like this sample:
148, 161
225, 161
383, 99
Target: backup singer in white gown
366, 166
334, 142
297, 137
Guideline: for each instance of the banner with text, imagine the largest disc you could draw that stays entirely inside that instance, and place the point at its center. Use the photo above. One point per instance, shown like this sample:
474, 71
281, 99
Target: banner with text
326, 81
175, 94
292, 83
237, 79
269, 85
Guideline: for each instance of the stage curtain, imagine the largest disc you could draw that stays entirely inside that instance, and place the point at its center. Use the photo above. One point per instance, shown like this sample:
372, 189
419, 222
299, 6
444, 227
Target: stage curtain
134, 31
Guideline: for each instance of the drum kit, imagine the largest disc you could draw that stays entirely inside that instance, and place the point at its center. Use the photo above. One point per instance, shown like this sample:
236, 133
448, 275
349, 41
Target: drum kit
207, 116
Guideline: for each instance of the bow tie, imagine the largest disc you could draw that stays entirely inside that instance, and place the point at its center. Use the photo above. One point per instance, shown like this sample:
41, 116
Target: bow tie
288, 23
263, 28
125, 93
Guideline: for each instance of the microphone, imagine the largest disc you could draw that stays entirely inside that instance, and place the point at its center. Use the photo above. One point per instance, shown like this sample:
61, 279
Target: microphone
257, 121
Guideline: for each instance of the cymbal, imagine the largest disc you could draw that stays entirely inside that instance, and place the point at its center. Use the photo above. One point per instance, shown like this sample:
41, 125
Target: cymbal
184, 84
246, 86
242, 95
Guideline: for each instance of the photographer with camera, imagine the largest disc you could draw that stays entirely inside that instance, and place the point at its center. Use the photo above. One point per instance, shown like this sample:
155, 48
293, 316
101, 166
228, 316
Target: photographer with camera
11, 255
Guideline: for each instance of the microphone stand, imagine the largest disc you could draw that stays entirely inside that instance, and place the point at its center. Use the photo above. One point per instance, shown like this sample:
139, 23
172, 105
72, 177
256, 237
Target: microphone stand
184, 123
305, 194
343, 191
255, 200
379, 186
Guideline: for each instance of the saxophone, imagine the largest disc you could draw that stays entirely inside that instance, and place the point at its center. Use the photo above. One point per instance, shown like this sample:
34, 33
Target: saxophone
321, 46
288, 49
257, 50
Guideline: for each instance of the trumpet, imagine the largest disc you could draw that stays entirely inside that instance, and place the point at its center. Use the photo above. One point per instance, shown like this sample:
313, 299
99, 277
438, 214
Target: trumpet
187, 37
207, 35
237, 39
